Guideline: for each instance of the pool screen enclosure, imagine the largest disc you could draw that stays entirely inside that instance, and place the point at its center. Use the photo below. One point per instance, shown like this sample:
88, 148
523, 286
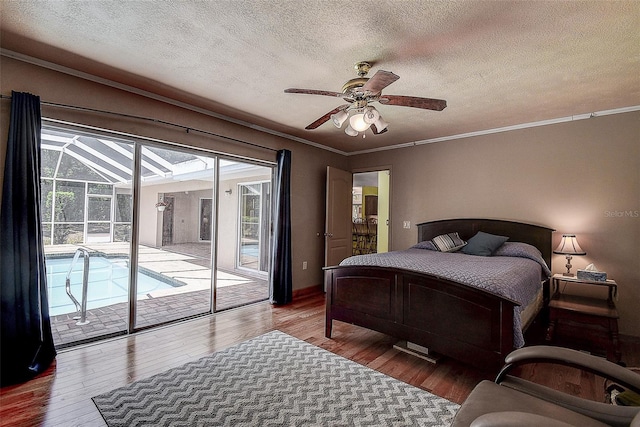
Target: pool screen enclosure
189, 228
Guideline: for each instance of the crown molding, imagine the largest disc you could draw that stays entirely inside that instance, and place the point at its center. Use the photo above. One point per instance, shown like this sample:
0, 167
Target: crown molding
90, 77
503, 129
151, 95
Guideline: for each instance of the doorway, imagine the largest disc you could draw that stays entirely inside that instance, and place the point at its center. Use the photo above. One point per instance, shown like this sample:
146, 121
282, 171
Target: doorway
370, 212
167, 221
206, 219
350, 227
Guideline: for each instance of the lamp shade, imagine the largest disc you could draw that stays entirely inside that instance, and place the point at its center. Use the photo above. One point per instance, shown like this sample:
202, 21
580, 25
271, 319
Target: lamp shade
339, 118
380, 124
569, 246
371, 115
357, 123
350, 131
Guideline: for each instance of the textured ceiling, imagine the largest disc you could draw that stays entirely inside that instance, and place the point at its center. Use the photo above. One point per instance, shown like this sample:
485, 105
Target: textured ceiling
497, 63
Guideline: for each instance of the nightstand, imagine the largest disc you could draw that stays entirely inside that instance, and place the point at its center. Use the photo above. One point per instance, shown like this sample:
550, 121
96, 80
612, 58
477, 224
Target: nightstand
591, 318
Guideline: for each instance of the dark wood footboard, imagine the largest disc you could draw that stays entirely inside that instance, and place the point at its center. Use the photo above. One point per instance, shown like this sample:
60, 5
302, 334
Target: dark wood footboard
466, 323
455, 320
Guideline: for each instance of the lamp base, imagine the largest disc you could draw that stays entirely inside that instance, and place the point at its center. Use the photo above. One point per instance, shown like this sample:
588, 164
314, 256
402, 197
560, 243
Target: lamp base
568, 265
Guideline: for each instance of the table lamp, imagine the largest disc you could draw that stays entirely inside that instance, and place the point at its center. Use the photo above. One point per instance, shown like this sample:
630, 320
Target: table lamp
569, 246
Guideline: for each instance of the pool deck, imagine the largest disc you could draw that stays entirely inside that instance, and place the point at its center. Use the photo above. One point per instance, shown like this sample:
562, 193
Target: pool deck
234, 289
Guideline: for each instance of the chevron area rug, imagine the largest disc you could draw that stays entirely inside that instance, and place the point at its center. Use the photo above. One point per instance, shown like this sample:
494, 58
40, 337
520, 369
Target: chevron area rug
273, 380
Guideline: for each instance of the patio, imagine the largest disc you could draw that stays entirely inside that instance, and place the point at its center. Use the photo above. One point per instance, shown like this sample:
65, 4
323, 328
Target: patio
185, 263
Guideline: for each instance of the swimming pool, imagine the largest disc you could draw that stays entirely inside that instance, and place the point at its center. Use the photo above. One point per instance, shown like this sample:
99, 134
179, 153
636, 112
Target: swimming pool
108, 283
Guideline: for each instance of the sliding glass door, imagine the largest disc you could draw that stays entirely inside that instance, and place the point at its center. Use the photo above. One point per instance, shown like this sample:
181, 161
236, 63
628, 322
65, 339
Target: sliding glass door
244, 219
87, 212
171, 247
139, 234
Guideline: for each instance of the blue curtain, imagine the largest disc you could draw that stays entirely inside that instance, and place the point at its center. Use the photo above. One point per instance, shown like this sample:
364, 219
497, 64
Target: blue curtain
281, 277
26, 343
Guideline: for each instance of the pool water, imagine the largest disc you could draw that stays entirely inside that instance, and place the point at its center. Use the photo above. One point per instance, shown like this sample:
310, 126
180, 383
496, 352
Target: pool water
250, 249
108, 283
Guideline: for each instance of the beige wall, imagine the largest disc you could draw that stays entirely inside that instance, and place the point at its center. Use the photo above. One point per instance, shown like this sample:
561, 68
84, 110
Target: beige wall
581, 177
575, 177
308, 163
185, 211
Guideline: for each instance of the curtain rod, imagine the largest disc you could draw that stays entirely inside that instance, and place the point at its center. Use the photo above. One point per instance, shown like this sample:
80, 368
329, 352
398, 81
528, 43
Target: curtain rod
149, 119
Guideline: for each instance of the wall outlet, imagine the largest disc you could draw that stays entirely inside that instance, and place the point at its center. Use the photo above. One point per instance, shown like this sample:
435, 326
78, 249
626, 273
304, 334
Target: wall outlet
406, 224
304, 265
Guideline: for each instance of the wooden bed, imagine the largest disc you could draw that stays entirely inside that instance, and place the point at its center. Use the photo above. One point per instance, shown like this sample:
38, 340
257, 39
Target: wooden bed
452, 319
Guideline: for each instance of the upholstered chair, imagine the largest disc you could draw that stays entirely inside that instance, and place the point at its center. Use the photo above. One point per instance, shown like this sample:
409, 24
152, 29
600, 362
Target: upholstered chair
513, 401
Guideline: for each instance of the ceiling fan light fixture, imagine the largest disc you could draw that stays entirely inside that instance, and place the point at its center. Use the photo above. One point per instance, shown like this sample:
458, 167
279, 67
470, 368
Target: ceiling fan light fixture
339, 118
380, 124
358, 123
371, 115
350, 131
359, 93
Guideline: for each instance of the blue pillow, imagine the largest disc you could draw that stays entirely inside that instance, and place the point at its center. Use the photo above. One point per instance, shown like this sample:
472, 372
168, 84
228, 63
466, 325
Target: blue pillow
483, 244
427, 244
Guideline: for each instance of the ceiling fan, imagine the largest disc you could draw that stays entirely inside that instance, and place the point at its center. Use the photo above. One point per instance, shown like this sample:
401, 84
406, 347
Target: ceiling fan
359, 93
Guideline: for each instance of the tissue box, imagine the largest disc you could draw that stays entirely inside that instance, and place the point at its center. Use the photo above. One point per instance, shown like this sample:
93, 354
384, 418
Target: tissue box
596, 276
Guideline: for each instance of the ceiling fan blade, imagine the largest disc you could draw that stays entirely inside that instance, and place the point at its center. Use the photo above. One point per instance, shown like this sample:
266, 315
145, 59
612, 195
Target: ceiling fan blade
326, 117
315, 92
375, 131
414, 101
379, 81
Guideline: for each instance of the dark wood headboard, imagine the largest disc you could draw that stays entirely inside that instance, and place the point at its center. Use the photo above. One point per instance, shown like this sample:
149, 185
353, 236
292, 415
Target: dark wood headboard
535, 235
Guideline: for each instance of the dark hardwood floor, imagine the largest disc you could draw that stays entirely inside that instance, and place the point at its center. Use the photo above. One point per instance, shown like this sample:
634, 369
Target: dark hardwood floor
62, 395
